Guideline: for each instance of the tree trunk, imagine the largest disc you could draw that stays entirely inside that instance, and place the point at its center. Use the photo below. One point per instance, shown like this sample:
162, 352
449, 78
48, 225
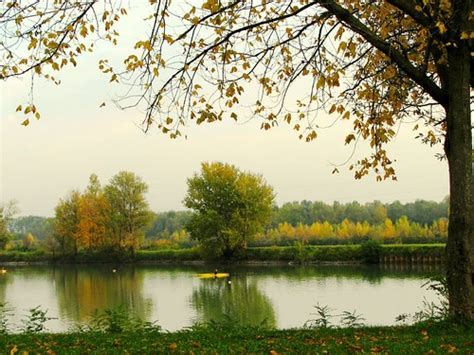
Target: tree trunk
460, 245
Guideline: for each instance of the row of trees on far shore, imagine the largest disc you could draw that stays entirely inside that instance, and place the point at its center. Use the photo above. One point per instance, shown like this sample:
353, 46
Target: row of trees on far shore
229, 209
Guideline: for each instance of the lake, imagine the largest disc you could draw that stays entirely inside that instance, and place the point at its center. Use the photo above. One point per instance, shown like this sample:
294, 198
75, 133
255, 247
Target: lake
282, 296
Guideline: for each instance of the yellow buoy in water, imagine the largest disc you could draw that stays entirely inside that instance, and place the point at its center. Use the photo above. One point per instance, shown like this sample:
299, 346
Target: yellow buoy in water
3, 270
213, 275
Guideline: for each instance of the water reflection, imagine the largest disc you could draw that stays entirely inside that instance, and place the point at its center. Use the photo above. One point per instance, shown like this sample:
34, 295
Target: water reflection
5, 279
240, 301
82, 290
284, 296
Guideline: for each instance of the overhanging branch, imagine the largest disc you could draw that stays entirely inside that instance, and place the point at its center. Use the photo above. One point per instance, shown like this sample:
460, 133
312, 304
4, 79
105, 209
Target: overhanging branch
404, 64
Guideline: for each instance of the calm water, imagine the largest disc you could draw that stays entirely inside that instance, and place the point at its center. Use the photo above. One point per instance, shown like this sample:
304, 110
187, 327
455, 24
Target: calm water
176, 298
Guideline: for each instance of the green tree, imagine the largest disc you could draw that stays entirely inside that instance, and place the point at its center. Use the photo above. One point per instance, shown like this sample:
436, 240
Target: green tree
230, 207
373, 62
66, 223
129, 214
29, 241
7, 211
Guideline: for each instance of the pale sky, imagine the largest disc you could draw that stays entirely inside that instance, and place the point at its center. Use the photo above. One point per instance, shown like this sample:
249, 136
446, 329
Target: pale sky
42, 162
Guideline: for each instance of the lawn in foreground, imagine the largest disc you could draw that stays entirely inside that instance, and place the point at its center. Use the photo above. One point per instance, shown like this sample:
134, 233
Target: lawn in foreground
431, 338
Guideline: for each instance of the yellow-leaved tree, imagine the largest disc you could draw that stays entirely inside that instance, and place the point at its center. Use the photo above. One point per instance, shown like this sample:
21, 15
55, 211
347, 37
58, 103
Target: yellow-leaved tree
374, 63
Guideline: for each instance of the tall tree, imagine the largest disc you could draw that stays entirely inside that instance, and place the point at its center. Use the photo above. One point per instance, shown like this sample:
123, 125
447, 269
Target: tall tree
230, 207
94, 216
66, 223
7, 211
373, 62
129, 213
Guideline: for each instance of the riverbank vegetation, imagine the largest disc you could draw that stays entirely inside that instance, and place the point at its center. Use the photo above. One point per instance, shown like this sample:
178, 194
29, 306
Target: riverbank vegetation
365, 253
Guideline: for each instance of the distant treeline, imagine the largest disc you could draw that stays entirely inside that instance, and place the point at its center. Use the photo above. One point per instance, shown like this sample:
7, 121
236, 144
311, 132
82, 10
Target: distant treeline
303, 222
420, 212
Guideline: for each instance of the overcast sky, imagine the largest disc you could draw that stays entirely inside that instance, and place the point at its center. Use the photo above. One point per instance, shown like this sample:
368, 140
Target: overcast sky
74, 138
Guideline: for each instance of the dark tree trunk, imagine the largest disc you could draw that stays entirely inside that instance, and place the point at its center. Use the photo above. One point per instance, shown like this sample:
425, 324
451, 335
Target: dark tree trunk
460, 245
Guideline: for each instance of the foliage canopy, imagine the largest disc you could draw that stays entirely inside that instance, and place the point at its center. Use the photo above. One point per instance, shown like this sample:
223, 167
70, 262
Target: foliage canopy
230, 207
113, 217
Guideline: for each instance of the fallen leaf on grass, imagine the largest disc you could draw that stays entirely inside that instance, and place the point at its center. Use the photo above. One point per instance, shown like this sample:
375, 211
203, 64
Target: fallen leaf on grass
172, 346
273, 352
356, 348
424, 332
449, 348
376, 350
13, 350
312, 341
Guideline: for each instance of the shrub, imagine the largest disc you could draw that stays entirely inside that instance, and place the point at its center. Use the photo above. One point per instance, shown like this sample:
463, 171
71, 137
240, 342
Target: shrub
370, 251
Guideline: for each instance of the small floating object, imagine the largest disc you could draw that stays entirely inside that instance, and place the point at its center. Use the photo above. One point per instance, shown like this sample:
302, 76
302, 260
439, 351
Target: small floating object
3, 270
213, 275
114, 270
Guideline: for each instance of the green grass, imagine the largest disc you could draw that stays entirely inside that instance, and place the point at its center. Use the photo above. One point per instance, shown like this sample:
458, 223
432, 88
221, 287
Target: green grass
440, 338
341, 253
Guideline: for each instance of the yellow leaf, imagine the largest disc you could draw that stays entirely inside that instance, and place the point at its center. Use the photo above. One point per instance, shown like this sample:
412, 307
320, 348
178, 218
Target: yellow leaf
342, 46
441, 27
350, 138
83, 31
168, 39
13, 350
211, 5
18, 108
25, 122
37, 115
321, 82
33, 43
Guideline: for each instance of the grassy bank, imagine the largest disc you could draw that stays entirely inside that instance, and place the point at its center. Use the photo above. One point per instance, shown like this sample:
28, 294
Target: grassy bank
299, 253
437, 338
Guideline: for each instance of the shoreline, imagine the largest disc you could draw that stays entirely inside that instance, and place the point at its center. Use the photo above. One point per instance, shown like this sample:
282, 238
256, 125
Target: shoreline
259, 256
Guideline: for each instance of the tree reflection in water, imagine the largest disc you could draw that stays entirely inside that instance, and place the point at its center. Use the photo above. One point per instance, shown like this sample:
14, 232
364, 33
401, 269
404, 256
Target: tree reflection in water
83, 290
241, 301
